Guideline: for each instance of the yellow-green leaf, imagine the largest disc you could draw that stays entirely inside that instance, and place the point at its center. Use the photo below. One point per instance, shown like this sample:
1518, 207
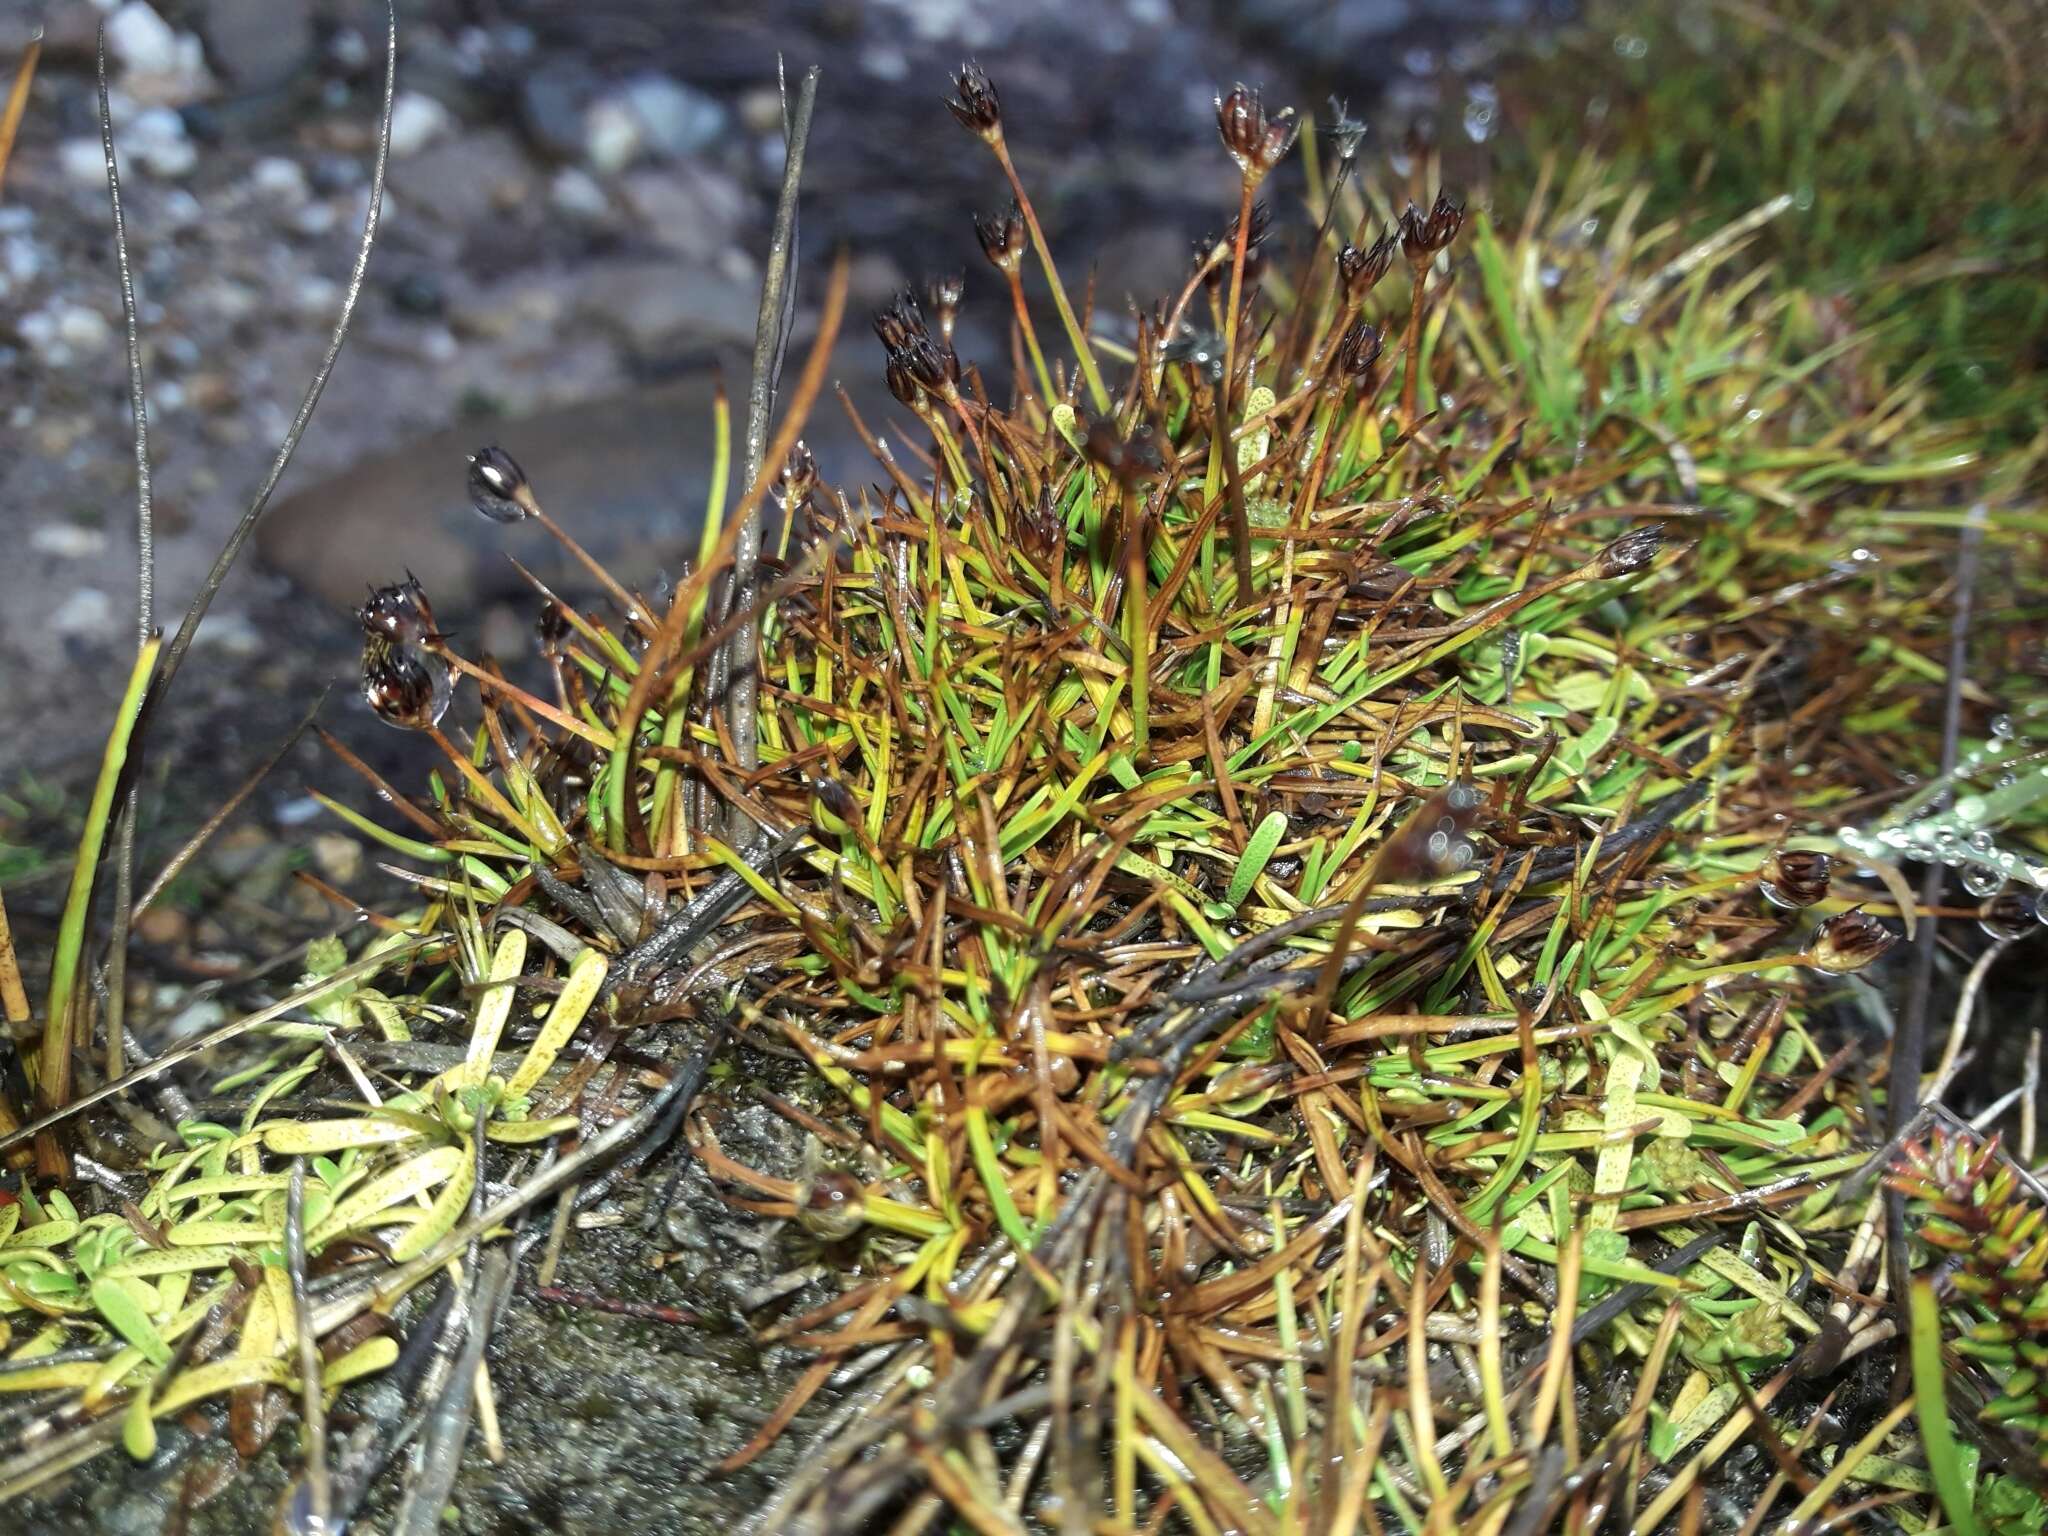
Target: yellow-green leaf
306, 1138
493, 1010
222, 1376
116, 1299
366, 1359
586, 976
443, 1214
410, 1178
138, 1426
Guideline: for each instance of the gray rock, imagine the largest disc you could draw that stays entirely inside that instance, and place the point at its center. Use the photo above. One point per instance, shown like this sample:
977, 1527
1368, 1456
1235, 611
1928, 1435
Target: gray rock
257, 45
662, 310
87, 614
551, 102
466, 181
626, 475
688, 208
576, 194
675, 120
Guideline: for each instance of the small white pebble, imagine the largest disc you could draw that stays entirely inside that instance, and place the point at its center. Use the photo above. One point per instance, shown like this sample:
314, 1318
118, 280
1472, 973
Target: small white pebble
156, 141
83, 161
574, 193
141, 40
611, 136
67, 541
279, 181
416, 121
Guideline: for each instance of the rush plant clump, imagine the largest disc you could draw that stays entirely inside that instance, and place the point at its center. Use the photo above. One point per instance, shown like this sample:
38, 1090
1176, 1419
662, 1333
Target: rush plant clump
1300, 843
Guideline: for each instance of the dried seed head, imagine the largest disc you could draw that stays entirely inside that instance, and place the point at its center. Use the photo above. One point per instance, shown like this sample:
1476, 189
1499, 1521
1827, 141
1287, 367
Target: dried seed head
1002, 238
553, 628
975, 103
828, 1204
902, 382
405, 686
2011, 914
901, 322
936, 367
399, 612
1357, 350
1630, 553
1039, 530
1425, 234
1346, 133
1255, 141
945, 294
1849, 941
498, 487
1796, 877
798, 479
1361, 271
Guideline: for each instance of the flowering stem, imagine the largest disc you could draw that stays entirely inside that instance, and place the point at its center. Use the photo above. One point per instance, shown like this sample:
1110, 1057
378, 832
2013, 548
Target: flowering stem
1237, 253
1412, 378
1075, 334
1038, 368
1137, 627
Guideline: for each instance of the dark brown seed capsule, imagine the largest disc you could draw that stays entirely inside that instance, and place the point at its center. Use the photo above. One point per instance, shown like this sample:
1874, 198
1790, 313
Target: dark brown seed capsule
2011, 914
405, 686
1796, 877
902, 382
828, 1205
975, 103
1361, 271
1849, 941
399, 612
552, 627
1424, 234
1630, 553
1255, 141
936, 368
1357, 350
498, 487
901, 323
1002, 238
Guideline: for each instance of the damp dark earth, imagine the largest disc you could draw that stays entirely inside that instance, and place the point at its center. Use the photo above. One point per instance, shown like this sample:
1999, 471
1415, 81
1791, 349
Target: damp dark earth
1276, 767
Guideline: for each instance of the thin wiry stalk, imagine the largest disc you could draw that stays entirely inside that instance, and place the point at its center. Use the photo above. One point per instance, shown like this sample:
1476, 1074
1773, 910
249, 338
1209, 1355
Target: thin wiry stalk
312, 1395
1909, 1043
145, 575
739, 662
181, 642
